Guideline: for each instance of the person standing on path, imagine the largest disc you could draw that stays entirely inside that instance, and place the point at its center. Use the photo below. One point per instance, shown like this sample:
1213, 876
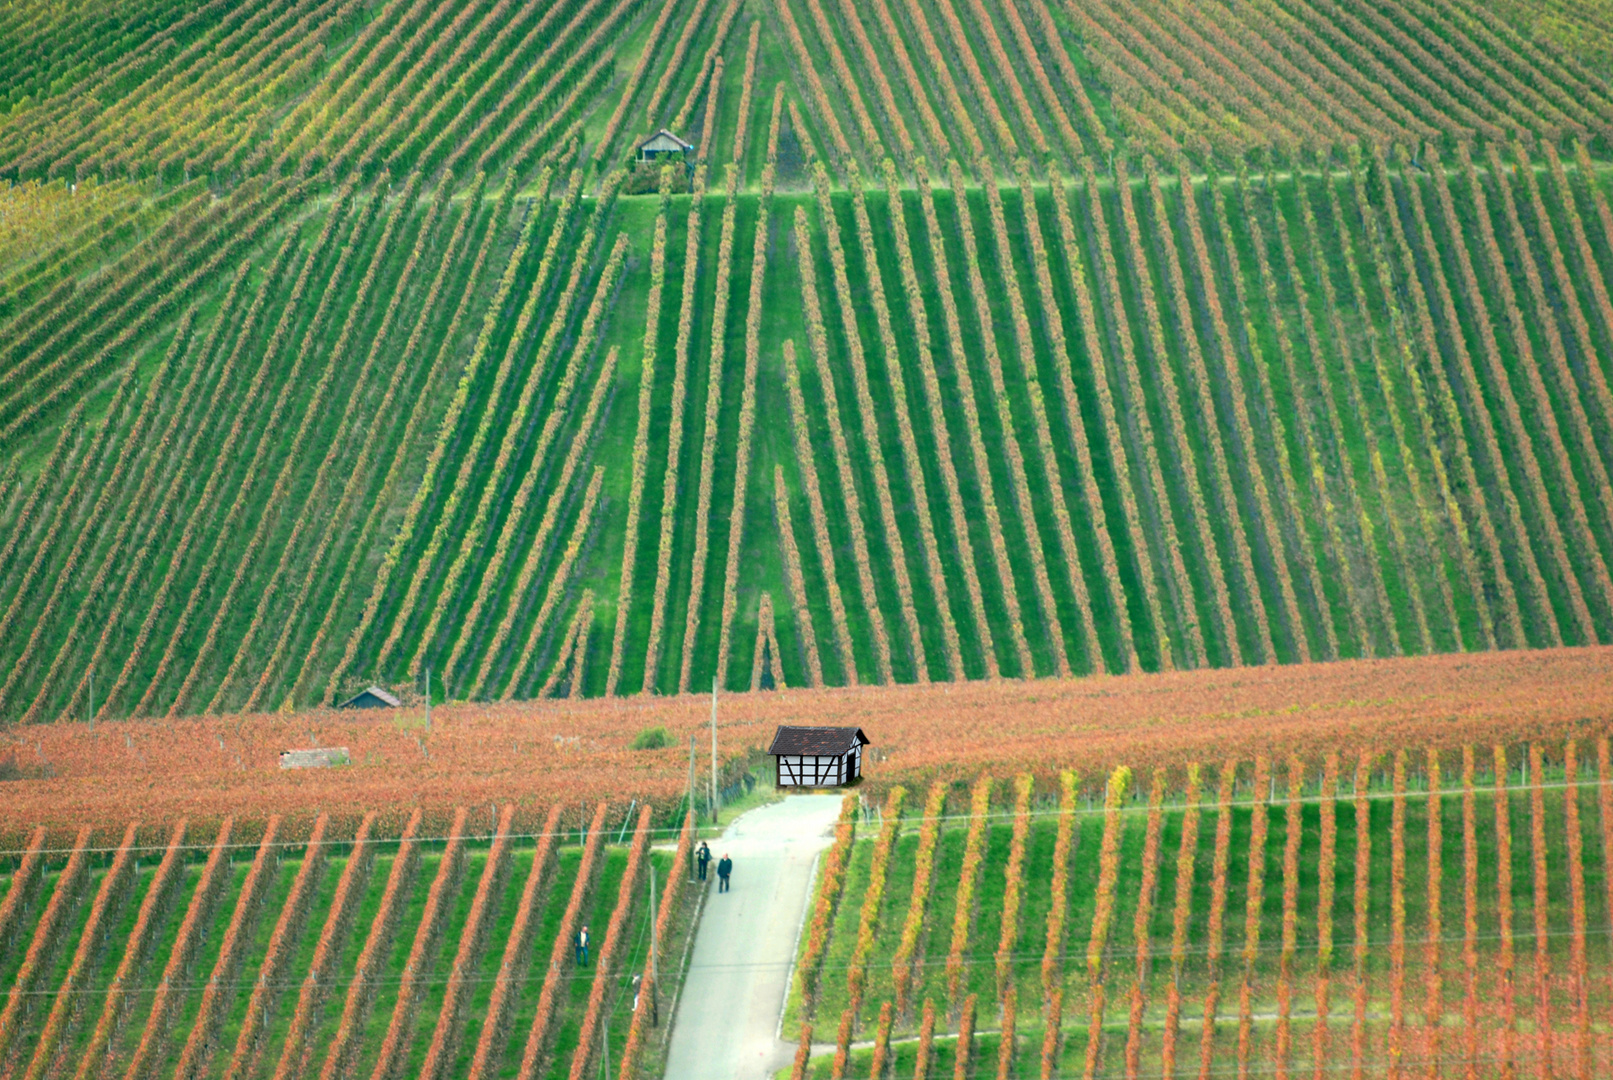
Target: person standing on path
581, 942
703, 858
724, 869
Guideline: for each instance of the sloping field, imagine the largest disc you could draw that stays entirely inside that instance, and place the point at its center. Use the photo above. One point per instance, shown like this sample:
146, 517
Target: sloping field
255, 948
1387, 914
173, 903
345, 343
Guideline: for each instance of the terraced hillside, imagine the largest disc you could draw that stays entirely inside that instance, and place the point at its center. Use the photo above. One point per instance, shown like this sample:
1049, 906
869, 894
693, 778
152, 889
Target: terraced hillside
363, 948
346, 343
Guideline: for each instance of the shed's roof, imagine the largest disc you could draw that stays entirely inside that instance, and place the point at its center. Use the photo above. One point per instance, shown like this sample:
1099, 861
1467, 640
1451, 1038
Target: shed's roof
816, 740
377, 696
665, 140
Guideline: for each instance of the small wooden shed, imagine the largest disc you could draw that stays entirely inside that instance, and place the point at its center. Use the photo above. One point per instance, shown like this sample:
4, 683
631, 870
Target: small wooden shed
661, 144
817, 756
372, 698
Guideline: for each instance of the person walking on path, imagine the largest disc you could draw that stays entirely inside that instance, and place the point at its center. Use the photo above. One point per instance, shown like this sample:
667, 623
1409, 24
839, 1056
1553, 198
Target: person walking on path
581, 942
724, 869
703, 858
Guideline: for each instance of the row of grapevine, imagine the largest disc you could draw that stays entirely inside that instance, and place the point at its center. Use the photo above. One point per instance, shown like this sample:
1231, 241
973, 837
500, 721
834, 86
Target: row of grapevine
398, 1026
627, 894
831, 877
1103, 915
641, 437
1326, 869
1402, 960
747, 403
977, 447
1008, 937
191, 927
918, 900
571, 664
968, 881
796, 579
1130, 389
89, 940
287, 927
294, 1052
866, 411
873, 900
663, 921
1181, 912
680, 397
538, 1035
495, 1022
817, 338
1074, 423
471, 935
1142, 920
1218, 913
109, 982
1203, 534
376, 941
807, 465
1053, 953
765, 656
193, 1060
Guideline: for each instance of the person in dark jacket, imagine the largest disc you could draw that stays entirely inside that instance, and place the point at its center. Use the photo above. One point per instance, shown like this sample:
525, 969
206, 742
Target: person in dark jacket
581, 943
724, 869
702, 858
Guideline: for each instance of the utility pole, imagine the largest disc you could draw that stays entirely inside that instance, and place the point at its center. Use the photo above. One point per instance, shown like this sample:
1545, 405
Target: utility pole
714, 750
692, 811
655, 951
428, 697
604, 1044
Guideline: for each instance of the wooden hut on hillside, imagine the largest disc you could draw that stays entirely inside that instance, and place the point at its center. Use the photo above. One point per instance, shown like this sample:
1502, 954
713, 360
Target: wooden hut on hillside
662, 144
372, 698
817, 756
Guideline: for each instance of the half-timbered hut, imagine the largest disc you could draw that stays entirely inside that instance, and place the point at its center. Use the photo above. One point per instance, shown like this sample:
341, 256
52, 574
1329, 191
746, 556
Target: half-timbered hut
817, 756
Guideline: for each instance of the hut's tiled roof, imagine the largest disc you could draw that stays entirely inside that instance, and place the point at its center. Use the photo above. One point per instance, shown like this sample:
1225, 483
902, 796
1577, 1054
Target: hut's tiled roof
816, 740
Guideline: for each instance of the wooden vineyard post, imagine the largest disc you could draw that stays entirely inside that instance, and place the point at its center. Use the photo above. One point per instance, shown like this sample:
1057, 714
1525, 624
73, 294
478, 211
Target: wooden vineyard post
1218, 912
1576, 885
1503, 892
1324, 913
1542, 911
1363, 896
1103, 914
1255, 900
1435, 1014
